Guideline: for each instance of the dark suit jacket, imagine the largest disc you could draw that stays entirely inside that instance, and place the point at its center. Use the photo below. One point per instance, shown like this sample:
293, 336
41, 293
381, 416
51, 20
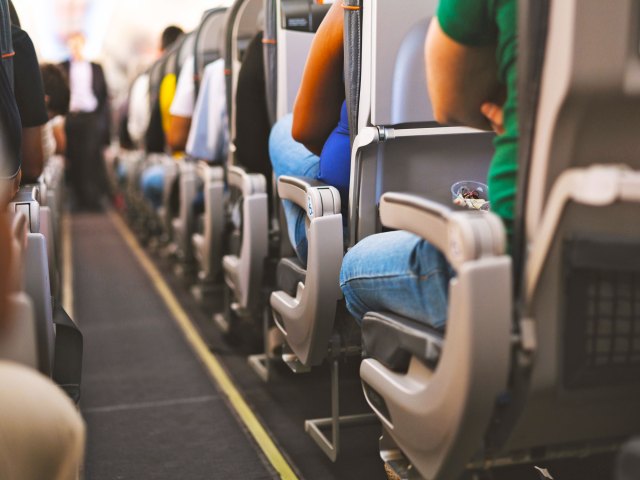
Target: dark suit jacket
101, 91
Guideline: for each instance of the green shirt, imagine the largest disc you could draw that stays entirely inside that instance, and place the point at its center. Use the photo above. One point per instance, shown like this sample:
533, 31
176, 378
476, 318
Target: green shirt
484, 22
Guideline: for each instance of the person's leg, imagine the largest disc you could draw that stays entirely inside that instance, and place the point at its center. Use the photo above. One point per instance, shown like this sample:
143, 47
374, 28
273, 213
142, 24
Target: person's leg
397, 272
42, 434
289, 157
152, 185
74, 154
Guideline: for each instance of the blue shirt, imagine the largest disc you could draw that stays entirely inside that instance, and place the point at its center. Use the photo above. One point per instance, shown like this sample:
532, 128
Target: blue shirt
335, 159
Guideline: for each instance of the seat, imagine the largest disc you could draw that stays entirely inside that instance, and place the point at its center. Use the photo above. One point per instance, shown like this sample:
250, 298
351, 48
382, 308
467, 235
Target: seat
557, 376
41, 325
395, 143
243, 270
208, 241
209, 41
20, 343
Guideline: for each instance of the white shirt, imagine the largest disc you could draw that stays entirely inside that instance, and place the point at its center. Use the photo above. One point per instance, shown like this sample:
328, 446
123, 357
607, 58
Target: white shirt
184, 99
81, 84
209, 133
139, 109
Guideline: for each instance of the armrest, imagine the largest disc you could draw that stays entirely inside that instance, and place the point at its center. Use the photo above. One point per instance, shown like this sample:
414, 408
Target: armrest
27, 201
209, 173
393, 340
19, 232
247, 183
460, 235
316, 198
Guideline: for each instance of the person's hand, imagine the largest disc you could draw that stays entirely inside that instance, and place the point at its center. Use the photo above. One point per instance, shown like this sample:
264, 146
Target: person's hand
494, 114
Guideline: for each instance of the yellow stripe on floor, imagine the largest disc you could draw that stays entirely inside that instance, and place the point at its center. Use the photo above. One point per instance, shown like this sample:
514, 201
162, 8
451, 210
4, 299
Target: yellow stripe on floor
67, 266
201, 349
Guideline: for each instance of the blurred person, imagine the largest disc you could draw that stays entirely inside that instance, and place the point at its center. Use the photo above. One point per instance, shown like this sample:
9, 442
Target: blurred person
42, 434
169, 36
30, 98
57, 98
166, 129
86, 127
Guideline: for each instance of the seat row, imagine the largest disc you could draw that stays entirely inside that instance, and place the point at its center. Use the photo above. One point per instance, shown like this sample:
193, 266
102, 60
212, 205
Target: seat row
541, 354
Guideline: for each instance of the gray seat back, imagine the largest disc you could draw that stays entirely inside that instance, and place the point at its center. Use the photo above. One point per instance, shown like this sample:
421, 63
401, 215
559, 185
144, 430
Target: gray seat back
398, 146
270, 55
298, 20
580, 320
209, 42
243, 23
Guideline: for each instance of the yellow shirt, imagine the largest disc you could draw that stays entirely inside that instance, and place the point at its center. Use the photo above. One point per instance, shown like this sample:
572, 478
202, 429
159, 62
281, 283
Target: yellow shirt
167, 92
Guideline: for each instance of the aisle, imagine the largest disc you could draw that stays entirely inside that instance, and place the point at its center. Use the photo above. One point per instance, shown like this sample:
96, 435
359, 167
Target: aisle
151, 410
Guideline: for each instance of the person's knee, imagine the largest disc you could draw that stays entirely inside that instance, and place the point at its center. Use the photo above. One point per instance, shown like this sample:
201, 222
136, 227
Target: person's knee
152, 184
279, 136
41, 433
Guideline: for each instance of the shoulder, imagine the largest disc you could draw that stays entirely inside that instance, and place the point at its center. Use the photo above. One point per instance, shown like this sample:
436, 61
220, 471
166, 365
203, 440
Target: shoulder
469, 22
21, 41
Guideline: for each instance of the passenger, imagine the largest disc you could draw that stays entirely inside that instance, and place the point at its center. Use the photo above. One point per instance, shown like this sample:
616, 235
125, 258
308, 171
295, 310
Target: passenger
470, 44
182, 106
209, 134
169, 37
87, 126
30, 98
155, 135
41, 433
175, 127
319, 122
57, 98
138, 114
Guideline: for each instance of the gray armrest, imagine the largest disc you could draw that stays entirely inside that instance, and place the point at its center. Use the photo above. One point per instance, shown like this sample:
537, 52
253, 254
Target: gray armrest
19, 231
27, 201
393, 340
315, 197
247, 183
209, 173
460, 235
244, 273
307, 318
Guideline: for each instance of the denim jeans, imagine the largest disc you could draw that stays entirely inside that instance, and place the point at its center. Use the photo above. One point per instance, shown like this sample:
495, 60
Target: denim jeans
397, 272
289, 157
152, 185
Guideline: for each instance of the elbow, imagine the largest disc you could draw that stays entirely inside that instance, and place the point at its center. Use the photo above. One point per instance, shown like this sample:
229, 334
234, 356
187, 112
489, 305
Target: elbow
31, 172
178, 133
176, 143
444, 114
302, 133
299, 133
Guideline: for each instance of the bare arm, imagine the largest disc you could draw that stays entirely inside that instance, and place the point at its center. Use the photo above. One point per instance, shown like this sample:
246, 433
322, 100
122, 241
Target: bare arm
61, 139
461, 79
32, 154
5, 270
317, 108
178, 133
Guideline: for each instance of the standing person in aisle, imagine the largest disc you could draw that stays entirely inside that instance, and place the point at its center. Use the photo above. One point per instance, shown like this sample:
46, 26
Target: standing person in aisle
87, 127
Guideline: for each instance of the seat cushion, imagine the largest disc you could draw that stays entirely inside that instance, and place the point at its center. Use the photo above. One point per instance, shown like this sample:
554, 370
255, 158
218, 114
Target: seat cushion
393, 340
290, 272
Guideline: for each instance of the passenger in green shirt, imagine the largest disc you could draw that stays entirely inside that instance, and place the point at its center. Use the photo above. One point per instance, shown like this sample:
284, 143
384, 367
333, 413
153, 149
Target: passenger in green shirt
471, 74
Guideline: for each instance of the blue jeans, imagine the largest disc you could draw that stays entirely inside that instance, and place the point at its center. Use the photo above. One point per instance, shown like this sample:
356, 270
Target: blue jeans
397, 272
289, 157
152, 185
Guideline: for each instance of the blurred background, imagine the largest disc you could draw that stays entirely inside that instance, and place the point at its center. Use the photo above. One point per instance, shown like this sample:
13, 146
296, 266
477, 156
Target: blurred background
123, 35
